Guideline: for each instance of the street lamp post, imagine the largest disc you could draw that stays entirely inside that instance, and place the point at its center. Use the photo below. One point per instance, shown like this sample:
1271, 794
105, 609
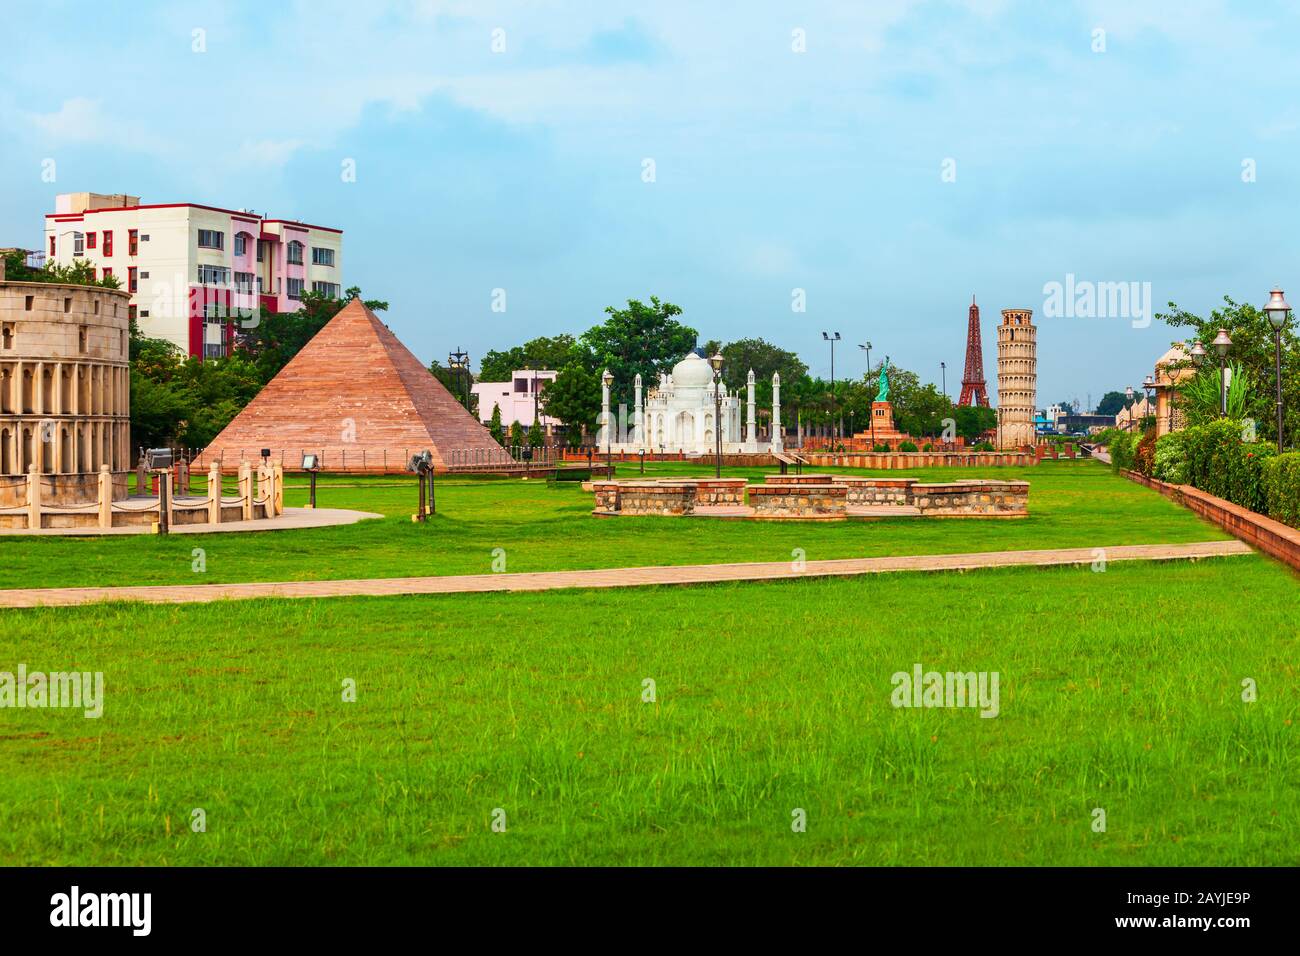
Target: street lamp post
833, 337
1128, 394
608, 379
1278, 310
1148, 387
1221, 345
458, 362
716, 362
871, 418
943, 373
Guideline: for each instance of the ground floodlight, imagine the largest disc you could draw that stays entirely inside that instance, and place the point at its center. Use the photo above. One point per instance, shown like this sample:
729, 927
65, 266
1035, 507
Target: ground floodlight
158, 459
310, 463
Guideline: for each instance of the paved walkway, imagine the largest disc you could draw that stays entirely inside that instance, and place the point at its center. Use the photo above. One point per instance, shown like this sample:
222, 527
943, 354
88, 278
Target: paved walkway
614, 577
291, 518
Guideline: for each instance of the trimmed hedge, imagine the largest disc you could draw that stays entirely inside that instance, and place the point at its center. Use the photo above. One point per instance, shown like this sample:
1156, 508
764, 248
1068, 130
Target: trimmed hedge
907, 446
1217, 461
1171, 459
1282, 488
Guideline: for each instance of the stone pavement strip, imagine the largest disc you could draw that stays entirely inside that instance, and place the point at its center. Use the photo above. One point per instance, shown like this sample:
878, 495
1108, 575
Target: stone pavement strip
613, 577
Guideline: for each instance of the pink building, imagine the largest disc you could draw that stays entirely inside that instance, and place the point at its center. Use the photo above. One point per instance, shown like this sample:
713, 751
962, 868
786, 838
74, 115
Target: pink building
517, 398
195, 272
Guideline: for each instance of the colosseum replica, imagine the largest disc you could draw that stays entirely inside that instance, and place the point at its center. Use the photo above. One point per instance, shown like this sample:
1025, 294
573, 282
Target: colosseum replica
64, 394
1017, 378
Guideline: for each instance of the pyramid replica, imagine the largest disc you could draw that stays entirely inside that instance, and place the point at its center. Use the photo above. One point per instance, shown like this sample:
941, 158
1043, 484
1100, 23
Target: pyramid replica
357, 397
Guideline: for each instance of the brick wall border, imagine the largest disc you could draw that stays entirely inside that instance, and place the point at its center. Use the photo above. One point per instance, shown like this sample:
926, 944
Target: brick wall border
1272, 537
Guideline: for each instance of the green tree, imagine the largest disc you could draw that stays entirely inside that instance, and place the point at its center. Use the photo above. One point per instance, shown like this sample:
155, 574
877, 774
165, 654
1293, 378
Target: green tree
574, 399
640, 339
516, 434
764, 358
536, 437
919, 410
1112, 403
1252, 350
495, 428
543, 352
974, 420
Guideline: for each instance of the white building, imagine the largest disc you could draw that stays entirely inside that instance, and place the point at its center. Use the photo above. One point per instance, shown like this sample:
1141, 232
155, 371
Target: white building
517, 398
679, 415
194, 271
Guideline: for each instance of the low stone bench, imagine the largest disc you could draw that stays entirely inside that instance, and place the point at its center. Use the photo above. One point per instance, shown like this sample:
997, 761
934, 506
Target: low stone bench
775, 500
973, 497
809, 479
876, 491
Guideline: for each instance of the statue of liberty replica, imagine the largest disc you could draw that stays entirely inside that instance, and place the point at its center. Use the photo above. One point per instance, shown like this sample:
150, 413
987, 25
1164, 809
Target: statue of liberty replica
882, 395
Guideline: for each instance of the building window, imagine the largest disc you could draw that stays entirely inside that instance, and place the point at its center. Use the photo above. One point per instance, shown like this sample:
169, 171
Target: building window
244, 281
213, 275
211, 239
108, 271
294, 254
330, 289
132, 242
241, 243
78, 244
81, 338
90, 240
322, 257
132, 281
7, 334
108, 242
51, 247
130, 313
294, 287
261, 249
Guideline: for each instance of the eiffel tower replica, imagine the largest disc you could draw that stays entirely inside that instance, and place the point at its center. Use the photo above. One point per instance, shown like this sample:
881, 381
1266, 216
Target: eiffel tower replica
973, 389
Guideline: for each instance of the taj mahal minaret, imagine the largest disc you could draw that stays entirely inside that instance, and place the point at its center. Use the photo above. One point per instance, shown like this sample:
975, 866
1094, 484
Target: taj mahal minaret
1017, 378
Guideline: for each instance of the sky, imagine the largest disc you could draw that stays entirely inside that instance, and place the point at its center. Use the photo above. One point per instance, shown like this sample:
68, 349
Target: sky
777, 170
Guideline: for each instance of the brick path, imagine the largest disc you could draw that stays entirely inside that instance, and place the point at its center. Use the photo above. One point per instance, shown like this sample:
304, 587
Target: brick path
613, 577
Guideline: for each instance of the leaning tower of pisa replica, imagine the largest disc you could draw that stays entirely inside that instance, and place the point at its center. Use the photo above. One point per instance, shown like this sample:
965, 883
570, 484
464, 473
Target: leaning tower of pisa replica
1017, 378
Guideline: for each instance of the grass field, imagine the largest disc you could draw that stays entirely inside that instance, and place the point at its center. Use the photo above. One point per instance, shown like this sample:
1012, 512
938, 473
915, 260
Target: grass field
541, 528
1120, 691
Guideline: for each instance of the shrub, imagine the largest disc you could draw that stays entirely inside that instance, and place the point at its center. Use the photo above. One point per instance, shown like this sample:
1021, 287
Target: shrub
1121, 450
881, 448
1282, 488
984, 446
908, 446
1171, 459
1144, 454
928, 447
1220, 463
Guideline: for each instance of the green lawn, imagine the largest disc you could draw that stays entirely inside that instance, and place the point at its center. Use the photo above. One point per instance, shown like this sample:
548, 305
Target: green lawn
545, 528
1119, 690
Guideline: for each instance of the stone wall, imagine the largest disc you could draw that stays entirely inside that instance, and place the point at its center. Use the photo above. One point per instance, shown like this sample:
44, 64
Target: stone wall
877, 491
799, 501
644, 497
987, 499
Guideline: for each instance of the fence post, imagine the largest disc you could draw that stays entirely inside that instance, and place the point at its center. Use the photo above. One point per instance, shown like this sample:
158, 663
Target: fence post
214, 493
277, 488
33, 498
105, 497
246, 489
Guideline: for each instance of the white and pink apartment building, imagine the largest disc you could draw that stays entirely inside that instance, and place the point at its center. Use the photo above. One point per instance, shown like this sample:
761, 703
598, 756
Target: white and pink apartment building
195, 272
